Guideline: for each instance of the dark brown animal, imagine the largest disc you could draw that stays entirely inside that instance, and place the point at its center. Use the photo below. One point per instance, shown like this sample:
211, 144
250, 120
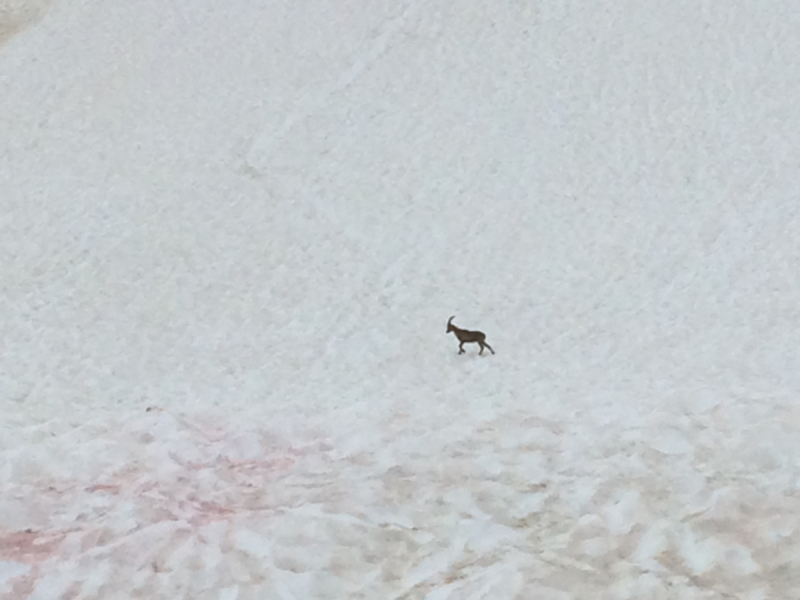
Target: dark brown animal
468, 337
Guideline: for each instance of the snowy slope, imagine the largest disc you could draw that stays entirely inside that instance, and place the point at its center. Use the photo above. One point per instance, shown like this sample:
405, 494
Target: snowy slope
256, 220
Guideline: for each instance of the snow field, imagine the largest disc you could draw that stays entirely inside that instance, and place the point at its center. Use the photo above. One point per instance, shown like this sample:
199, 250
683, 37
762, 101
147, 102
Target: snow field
255, 220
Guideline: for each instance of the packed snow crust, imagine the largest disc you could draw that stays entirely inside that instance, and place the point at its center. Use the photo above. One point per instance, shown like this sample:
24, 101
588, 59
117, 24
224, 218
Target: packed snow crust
231, 237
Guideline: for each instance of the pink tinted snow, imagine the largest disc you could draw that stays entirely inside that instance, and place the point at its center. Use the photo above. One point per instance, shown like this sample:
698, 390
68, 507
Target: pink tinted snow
173, 499
152, 490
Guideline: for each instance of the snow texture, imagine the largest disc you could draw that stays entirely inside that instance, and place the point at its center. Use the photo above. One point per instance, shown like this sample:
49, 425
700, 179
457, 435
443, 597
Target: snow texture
230, 239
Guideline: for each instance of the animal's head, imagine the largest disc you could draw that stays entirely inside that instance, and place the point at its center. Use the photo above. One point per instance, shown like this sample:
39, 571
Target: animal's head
450, 324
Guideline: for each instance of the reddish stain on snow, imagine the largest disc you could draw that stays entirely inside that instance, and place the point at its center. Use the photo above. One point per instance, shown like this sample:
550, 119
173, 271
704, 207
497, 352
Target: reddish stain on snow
29, 546
270, 464
22, 587
203, 513
104, 487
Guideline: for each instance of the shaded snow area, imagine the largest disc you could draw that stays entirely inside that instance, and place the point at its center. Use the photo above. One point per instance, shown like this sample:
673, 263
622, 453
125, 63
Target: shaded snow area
231, 237
17, 15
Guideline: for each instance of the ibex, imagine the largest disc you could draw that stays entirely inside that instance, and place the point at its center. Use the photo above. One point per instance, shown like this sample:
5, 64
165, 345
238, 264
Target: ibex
468, 337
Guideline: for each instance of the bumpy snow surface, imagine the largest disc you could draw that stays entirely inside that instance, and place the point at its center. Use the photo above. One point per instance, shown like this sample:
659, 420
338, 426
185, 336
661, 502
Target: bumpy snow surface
231, 235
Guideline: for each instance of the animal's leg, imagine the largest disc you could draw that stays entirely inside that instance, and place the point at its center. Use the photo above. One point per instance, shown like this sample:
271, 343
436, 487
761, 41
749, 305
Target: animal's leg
461, 348
489, 347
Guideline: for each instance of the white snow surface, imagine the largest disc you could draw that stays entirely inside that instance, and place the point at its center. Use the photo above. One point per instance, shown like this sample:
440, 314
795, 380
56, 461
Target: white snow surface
231, 235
